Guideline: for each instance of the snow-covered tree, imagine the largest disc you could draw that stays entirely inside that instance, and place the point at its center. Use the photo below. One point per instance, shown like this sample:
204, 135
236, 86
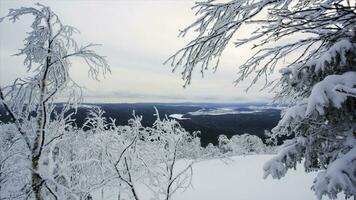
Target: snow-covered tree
211, 151
314, 45
174, 143
47, 50
149, 156
247, 144
127, 157
242, 144
224, 144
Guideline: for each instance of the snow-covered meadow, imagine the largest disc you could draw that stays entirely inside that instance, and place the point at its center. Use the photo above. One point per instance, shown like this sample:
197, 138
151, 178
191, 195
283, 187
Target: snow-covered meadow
238, 177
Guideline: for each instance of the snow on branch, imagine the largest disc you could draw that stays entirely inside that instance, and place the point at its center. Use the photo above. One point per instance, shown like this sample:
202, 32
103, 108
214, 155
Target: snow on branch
321, 23
48, 50
294, 113
216, 27
95, 62
290, 153
339, 176
325, 92
323, 58
348, 91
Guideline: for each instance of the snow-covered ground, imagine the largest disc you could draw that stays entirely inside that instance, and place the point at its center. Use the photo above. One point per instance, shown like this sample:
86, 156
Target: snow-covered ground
240, 179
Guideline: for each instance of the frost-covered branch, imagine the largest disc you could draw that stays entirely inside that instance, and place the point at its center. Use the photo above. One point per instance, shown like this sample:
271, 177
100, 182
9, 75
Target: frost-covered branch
290, 154
348, 91
46, 52
339, 176
15, 120
277, 21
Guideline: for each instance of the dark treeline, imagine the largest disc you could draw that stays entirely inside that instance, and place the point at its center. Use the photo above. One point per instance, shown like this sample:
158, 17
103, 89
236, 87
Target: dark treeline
210, 126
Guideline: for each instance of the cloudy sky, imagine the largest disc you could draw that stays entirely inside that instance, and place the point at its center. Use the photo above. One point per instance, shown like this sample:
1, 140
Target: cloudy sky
137, 37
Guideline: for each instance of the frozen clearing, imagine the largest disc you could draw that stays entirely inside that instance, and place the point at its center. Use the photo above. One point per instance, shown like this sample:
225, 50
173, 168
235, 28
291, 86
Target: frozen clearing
241, 179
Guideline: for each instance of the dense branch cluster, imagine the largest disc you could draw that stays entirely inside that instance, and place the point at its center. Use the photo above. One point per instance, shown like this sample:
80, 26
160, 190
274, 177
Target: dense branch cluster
75, 162
278, 22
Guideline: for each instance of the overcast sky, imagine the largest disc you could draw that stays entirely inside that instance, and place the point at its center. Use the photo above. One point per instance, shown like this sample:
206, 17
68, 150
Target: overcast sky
137, 37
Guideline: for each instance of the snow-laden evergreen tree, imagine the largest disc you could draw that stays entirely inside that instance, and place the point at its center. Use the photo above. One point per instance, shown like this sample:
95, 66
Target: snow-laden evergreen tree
313, 44
29, 101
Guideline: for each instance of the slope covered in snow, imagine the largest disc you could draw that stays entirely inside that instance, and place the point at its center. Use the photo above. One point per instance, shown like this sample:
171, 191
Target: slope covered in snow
239, 178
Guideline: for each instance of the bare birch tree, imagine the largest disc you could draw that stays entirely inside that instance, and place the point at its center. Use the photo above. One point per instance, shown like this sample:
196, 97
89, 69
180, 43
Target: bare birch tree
48, 48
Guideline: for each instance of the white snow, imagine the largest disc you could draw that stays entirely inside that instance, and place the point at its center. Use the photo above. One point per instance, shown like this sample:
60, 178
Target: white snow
240, 178
325, 92
220, 111
339, 48
178, 116
326, 57
225, 111
266, 107
88, 106
293, 113
340, 175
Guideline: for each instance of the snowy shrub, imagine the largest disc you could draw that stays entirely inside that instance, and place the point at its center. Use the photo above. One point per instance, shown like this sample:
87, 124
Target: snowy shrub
211, 151
224, 144
242, 144
122, 157
247, 144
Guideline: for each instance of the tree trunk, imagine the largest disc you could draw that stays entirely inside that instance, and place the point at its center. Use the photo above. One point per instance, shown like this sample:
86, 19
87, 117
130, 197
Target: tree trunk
39, 141
37, 181
36, 178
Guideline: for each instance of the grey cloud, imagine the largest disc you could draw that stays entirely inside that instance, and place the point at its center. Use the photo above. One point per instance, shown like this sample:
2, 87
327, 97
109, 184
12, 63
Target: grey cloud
137, 37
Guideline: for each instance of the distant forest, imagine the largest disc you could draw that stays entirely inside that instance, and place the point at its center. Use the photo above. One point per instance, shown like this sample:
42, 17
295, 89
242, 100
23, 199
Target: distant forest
210, 126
